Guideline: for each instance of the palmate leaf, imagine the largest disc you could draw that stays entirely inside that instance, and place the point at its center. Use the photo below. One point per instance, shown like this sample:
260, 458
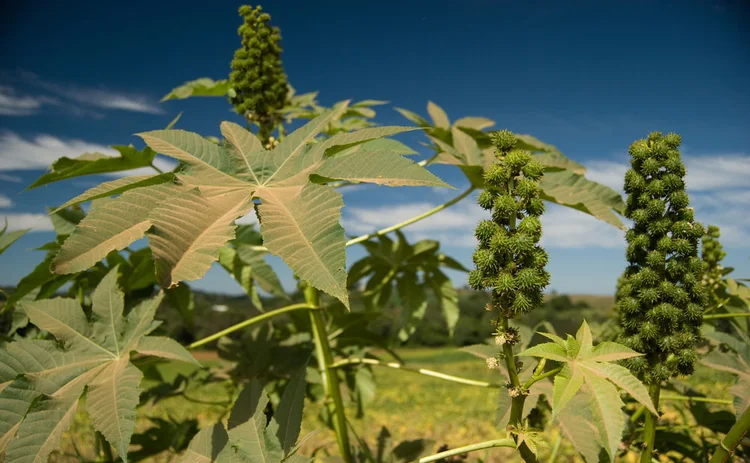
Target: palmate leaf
399, 263
188, 222
586, 364
249, 438
465, 145
41, 381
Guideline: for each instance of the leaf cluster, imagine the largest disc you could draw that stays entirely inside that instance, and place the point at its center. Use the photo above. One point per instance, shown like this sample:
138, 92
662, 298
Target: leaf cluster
400, 272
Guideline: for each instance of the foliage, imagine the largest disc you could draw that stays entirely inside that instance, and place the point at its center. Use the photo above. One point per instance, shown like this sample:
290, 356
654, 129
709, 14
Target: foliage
587, 370
661, 299
42, 380
299, 218
250, 435
411, 270
463, 144
7, 238
258, 82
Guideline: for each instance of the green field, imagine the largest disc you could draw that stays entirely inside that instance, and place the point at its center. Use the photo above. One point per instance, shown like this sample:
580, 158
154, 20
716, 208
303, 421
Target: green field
412, 406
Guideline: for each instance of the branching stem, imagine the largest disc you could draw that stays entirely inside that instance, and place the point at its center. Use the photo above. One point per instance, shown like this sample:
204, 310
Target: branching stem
420, 371
250, 321
468, 448
726, 315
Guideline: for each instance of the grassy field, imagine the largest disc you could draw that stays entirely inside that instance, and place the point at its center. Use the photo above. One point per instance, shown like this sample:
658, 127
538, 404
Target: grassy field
411, 406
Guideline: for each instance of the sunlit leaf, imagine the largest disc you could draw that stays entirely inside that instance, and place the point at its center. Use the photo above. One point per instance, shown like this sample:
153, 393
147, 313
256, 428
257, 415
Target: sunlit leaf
198, 87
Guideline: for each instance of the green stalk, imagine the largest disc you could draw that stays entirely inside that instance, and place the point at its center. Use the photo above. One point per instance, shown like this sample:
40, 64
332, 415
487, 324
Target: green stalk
726, 315
732, 439
468, 448
328, 373
555, 449
420, 371
685, 398
251, 321
649, 433
412, 220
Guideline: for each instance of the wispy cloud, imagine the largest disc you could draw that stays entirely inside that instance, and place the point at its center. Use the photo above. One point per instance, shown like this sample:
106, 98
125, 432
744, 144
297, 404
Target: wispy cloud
79, 100
5, 202
36, 222
12, 104
10, 178
18, 153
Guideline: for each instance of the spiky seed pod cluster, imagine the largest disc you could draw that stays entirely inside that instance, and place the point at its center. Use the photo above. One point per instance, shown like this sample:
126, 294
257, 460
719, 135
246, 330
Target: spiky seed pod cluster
660, 299
258, 80
508, 258
712, 254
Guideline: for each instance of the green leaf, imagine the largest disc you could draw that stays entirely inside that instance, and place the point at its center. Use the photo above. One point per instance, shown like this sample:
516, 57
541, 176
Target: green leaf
606, 406
112, 226
737, 363
563, 182
448, 297
188, 231
299, 218
262, 273
576, 191
95, 163
8, 238
198, 87
116, 187
577, 425
439, 118
41, 381
289, 412
586, 369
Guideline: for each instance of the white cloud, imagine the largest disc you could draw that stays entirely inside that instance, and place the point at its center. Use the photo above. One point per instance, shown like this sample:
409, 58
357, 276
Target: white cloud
17, 153
12, 104
89, 97
20, 221
564, 227
5, 201
10, 178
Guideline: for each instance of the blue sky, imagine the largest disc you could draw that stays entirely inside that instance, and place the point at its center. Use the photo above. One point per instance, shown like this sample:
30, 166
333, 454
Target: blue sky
588, 77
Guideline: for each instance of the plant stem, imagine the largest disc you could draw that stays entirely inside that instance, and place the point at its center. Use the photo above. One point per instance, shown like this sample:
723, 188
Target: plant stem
469, 448
329, 374
649, 433
420, 371
412, 220
156, 168
726, 315
686, 398
250, 321
536, 378
732, 439
555, 449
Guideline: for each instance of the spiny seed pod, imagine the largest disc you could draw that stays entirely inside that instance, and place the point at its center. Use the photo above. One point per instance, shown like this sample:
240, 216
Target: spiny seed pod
660, 301
712, 254
508, 259
257, 78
